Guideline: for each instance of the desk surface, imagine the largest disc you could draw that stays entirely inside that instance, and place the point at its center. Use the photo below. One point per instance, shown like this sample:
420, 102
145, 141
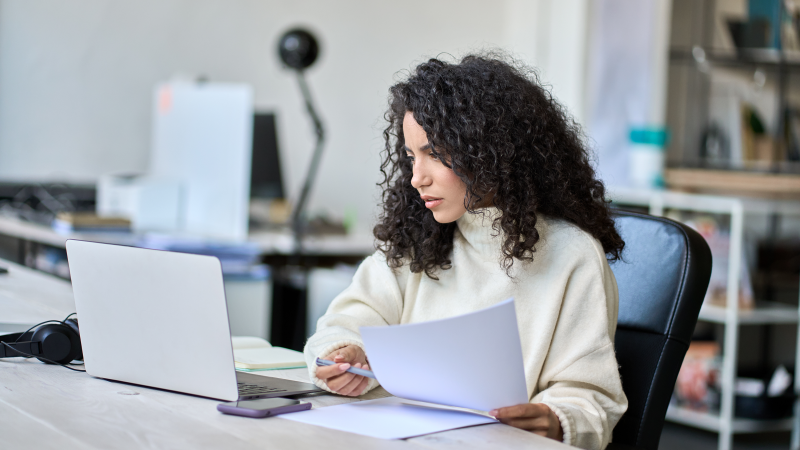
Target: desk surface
269, 242
28, 297
46, 406
49, 407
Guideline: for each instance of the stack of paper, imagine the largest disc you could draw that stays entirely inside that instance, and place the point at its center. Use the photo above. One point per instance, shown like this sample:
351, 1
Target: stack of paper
389, 418
435, 362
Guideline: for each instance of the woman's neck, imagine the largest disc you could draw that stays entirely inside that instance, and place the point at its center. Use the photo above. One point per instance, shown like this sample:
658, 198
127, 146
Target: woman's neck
476, 227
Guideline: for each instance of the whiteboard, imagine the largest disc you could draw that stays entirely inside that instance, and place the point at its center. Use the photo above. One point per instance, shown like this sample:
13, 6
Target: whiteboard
202, 137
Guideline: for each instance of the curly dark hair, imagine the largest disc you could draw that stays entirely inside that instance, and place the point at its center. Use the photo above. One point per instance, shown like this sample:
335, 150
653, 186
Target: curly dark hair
489, 119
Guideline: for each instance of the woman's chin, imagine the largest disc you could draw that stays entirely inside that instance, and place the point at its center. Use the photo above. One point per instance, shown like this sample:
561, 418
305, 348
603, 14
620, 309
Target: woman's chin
447, 216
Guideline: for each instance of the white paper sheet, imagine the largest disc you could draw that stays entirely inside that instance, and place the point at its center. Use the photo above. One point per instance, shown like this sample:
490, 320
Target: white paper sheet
388, 418
470, 361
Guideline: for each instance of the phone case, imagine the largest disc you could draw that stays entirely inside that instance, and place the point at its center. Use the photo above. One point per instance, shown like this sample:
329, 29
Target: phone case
256, 413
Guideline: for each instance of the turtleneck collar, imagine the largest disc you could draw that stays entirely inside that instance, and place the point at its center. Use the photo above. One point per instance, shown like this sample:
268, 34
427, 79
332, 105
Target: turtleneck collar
477, 230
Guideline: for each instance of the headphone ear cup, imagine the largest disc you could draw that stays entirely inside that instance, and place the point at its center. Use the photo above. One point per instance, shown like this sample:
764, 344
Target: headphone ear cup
55, 342
76, 337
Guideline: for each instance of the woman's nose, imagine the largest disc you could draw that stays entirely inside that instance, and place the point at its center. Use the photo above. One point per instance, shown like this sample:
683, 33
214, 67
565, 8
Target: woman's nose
420, 178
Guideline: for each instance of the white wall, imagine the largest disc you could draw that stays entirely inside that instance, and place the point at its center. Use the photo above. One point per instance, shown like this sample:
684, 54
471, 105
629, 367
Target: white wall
76, 77
552, 36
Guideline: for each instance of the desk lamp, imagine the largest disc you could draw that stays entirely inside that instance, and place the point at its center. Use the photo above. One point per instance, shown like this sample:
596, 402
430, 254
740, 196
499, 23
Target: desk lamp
298, 49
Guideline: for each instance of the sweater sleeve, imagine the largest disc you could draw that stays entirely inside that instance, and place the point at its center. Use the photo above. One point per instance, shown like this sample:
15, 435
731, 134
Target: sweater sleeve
582, 386
374, 298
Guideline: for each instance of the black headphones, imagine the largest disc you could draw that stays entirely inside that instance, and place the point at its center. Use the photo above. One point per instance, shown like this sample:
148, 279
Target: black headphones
52, 342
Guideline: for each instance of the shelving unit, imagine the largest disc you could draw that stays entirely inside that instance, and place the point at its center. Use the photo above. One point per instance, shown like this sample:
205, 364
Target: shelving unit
701, 54
724, 422
777, 67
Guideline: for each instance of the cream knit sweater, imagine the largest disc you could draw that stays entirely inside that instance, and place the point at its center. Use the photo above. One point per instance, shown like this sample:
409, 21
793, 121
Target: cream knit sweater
566, 303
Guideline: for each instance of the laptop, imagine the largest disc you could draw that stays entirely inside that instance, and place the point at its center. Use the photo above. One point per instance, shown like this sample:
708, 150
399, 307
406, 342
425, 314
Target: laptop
159, 319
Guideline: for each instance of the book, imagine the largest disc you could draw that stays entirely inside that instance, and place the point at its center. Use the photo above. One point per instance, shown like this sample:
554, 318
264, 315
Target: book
697, 385
254, 353
771, 12
67, 222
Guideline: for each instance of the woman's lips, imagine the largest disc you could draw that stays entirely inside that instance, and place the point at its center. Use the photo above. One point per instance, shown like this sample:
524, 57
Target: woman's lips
433, 202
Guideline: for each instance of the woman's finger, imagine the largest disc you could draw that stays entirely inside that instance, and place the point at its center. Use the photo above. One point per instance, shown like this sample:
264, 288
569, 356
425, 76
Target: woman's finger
338, 383
358, 390
361, 386
326, 372
348, 354
527, 423
523, 410
340, 371
351, 386
523, 424
536, 418
337, 355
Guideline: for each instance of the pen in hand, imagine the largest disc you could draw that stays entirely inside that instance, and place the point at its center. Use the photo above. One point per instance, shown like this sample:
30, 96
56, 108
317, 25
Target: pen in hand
353, 370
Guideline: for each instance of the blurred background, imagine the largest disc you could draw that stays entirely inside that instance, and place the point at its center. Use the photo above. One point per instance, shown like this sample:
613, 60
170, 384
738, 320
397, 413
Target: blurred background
176, 124
78, 79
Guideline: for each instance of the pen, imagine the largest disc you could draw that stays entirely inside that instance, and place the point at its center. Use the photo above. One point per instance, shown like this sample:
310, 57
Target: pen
362, 372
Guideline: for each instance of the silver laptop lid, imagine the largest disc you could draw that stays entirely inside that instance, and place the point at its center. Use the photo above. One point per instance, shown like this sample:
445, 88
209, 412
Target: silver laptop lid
153, 318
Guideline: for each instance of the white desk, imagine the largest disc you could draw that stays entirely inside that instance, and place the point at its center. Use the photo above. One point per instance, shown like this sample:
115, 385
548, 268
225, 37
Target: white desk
49, 407
268, 242
28, 297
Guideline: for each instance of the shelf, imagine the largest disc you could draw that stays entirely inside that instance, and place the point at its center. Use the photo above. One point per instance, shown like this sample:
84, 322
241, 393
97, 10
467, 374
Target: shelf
712, 422
767, 57
764, 313
723, 204
734, 182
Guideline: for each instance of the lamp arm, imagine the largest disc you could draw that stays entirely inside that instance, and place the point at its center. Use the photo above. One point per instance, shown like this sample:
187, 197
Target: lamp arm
298, 215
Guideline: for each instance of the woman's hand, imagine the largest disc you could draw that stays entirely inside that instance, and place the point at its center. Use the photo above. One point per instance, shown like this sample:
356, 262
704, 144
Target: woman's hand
535, 417
336, 377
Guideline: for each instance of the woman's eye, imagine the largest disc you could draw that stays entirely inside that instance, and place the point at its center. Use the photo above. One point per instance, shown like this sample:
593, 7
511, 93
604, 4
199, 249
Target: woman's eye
435, 157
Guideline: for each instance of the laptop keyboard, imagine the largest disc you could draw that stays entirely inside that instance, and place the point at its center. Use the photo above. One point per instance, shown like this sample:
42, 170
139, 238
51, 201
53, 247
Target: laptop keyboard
255, 389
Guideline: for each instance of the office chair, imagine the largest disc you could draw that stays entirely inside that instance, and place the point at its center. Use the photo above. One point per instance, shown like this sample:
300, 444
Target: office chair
662, 279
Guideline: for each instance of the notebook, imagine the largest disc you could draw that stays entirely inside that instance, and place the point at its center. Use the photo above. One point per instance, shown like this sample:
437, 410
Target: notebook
254, 353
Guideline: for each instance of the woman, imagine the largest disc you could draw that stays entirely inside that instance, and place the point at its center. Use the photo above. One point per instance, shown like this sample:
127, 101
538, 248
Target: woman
489, 193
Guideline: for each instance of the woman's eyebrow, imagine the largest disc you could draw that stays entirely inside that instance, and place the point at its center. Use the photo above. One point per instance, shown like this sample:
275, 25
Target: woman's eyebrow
422, 149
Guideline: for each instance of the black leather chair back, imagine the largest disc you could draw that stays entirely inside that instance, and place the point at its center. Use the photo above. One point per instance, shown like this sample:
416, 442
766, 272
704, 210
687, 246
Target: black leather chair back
662, 279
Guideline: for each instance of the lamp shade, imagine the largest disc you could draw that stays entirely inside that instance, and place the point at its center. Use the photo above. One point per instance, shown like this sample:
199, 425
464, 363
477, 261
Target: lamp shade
298, 49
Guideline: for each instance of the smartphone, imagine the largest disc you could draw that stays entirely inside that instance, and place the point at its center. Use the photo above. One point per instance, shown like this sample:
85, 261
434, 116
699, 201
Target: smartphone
263, 407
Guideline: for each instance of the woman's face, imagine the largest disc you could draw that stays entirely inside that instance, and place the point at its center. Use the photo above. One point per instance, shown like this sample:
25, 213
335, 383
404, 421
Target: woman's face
437, 184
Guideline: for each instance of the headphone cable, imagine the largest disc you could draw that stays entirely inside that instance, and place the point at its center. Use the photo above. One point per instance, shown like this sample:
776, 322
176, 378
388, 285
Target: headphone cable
38, 324
42, 323
42, 358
